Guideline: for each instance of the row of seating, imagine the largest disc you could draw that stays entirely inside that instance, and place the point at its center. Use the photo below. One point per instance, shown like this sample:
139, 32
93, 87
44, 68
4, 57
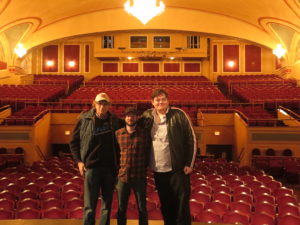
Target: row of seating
22, 93
217, 187
26, 116
267, 79
148, 78
72, 81
117, 94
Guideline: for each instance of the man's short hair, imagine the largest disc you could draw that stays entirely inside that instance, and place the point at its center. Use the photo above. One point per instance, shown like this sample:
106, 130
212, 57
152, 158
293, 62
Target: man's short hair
158, 92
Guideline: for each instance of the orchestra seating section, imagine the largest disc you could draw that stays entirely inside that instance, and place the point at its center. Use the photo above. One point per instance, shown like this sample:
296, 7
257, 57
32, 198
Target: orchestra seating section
177, 95
71, 81
191, 93
149, 80
221, 192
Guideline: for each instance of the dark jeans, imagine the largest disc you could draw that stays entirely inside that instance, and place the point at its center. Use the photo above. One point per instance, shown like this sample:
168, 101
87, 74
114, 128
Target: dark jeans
139, 190
174, 193
97, 179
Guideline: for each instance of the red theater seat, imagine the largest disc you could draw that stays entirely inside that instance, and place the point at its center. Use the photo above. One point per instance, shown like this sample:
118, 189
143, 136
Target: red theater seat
236, 217
6, 214
76, 213
209, 216
54, 213
28, 213
288, 219
262, 219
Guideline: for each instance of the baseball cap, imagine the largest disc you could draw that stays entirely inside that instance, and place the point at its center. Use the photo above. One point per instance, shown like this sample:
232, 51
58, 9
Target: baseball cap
130, 110
102, 97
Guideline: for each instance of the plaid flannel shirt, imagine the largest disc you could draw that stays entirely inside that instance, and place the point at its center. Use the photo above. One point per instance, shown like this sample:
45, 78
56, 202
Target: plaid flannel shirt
135, 150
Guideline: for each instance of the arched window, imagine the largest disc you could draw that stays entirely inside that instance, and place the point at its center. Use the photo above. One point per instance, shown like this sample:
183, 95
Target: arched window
270, 152
287, 152
256, 151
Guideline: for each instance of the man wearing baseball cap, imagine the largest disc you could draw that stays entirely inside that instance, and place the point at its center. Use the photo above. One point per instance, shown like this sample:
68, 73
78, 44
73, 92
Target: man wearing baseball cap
96, 152
135, 145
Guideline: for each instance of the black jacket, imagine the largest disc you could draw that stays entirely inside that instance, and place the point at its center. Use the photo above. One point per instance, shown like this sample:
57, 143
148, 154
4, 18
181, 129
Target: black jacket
182, 139
83, 135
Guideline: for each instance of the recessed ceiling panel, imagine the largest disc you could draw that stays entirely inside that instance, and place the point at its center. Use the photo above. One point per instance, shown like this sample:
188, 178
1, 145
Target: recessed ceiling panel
285, 33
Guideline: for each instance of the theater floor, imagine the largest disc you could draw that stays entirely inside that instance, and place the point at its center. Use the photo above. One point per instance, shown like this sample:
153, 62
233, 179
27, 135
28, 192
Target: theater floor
76, 222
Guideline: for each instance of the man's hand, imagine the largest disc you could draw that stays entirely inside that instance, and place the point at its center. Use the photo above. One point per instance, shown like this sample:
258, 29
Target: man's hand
81, 168
187, 170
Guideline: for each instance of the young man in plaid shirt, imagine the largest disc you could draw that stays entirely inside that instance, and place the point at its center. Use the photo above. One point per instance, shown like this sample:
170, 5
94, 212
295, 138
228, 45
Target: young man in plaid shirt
135, 143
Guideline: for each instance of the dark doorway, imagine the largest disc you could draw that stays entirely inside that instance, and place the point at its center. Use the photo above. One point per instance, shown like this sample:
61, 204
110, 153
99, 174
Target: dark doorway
61, 150
220, 151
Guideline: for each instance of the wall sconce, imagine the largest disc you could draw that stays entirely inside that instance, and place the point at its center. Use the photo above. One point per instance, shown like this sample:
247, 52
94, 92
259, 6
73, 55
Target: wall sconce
129, 57
172, 58
67, 132
71, 63
20, 50
231, 63
50, 63
217, 133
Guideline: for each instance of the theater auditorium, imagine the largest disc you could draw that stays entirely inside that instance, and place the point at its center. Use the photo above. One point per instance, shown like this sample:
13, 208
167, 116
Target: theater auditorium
232, 66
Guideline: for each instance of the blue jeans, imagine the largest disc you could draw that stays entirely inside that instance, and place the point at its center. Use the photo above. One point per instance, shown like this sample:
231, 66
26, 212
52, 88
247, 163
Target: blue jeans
97, 179
139, 190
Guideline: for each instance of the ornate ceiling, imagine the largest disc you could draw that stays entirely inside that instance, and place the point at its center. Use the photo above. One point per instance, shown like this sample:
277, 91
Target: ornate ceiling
265, 22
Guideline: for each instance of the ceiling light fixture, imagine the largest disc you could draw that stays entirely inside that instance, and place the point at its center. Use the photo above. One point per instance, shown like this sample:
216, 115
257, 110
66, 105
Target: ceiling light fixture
144, 10
279, 51
20, 50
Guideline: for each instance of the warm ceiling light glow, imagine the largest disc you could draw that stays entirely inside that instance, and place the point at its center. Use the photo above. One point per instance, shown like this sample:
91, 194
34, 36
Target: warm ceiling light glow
71, 63
279, 51
67, 132
50, 63
172, 58
231, 63
129, 57
20, 50
144, 10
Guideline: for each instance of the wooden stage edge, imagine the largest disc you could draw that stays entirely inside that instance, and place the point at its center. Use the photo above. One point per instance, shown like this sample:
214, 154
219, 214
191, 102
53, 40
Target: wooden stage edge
77, 222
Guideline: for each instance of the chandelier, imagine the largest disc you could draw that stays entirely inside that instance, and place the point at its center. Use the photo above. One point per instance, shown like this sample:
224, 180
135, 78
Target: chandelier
20, 50
144, 10
279, 51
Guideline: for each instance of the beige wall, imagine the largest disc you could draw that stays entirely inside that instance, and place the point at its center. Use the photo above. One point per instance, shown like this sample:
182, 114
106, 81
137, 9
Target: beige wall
41, 138
241, 152
60, 123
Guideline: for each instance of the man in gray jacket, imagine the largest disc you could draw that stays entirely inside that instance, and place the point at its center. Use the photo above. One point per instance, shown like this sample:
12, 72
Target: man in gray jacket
172, 157
94, 148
